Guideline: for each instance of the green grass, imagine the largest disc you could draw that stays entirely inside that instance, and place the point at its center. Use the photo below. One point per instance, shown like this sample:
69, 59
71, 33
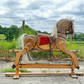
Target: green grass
40, 54
13, 70
77, 45
43, 71
5, 46
8, 45
57, 71
2, 36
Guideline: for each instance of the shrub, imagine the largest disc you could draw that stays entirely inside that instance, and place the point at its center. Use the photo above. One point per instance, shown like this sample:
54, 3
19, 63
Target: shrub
9, 36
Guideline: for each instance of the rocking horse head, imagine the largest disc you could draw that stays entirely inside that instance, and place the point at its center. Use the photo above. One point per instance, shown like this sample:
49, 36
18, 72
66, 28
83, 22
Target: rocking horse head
63, 27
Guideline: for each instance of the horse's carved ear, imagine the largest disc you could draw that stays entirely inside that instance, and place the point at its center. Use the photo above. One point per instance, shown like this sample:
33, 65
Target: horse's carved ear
73, 20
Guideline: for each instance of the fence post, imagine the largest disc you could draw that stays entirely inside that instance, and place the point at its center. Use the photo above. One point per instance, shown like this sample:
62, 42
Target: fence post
23, 28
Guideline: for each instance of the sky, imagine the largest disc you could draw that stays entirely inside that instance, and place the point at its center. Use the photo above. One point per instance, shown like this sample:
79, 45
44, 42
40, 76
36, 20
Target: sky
41, 14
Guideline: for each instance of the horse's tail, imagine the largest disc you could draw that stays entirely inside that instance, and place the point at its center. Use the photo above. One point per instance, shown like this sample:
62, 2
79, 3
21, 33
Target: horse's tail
25, 58
22, 39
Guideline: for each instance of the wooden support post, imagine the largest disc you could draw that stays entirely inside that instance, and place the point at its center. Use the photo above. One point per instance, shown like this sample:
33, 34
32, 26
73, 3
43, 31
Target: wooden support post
16, 76
73, 75
72, 69
23, 28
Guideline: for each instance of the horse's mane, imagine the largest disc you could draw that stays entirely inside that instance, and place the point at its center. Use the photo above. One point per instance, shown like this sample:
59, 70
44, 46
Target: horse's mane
54, 33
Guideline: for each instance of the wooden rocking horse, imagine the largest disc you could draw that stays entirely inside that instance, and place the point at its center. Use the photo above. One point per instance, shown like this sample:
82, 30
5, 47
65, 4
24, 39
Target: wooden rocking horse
48, 43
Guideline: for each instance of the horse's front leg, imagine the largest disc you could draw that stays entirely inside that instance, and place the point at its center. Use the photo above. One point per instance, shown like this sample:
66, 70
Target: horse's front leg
62, 46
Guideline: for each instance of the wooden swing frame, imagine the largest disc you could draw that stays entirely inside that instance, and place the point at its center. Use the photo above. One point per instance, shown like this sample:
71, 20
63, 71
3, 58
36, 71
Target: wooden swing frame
63, 66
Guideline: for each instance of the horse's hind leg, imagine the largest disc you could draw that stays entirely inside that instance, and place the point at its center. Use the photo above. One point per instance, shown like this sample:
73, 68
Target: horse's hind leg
18, 55
30, 43
62, 46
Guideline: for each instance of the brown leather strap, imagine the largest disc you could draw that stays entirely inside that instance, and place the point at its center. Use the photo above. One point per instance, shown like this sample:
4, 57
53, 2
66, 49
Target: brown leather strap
51, 40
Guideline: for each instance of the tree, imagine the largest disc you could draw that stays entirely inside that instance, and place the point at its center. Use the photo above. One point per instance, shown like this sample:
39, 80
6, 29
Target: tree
13, 28
17, 34
9, 35
78, 36
75, 36
1, 30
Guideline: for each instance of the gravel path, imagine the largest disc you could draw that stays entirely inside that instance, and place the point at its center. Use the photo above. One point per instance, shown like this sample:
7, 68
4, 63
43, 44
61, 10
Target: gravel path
54, 79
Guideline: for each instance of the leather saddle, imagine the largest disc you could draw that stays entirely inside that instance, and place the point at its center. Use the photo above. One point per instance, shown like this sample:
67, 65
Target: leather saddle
46, 40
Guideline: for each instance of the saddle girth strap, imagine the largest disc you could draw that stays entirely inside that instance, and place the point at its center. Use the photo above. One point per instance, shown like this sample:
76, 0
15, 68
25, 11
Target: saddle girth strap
50, 47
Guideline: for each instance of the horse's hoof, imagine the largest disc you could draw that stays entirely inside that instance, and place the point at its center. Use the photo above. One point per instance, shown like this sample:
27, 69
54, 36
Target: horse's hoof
78, 67
13, 66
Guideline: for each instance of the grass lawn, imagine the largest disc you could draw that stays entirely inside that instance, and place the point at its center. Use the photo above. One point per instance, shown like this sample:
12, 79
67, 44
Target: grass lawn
2, 36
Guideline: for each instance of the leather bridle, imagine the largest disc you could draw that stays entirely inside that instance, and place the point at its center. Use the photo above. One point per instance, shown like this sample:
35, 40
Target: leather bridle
70, 28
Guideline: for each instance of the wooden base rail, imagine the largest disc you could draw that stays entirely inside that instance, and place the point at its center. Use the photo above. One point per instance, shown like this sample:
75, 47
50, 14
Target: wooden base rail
68, 66
44, 51
16, 76
63, 66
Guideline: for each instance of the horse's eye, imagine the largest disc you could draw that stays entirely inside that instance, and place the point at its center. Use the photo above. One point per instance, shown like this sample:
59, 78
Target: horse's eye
67, 31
